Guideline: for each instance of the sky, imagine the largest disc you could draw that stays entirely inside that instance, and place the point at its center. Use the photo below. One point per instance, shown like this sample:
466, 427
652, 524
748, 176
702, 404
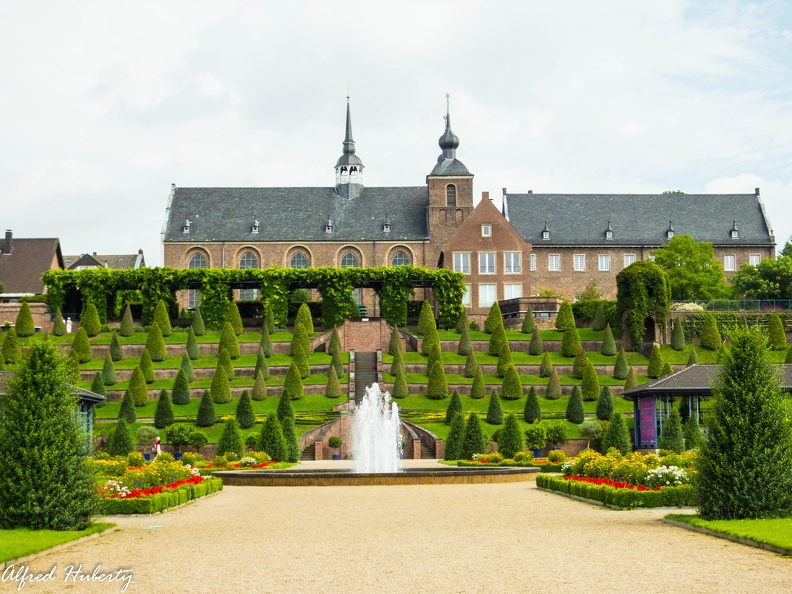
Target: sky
103, 105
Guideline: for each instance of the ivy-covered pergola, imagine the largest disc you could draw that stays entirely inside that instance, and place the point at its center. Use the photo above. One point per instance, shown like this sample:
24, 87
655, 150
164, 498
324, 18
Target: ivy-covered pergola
105, 288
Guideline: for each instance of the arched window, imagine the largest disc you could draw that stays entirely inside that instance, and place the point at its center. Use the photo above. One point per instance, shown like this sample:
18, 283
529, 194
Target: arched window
248, 260
450, 195
400, 259
349, 261
298, 260
194, 295
197, 261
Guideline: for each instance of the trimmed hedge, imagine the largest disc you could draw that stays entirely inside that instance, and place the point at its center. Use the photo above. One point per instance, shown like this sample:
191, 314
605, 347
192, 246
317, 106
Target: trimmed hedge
160, 501
681, 496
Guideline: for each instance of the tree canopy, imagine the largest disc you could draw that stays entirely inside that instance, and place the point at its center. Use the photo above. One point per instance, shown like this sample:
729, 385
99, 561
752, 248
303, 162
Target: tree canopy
693, 271
771, 279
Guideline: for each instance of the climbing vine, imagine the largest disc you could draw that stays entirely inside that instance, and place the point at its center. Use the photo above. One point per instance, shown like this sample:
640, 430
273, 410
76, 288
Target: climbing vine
642, 292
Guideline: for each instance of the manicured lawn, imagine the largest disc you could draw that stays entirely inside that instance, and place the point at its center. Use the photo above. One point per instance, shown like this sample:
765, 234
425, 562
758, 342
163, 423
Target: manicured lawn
204, 383
584, 333
549, 407
566, 380
179, 336
705, 355
519, 358
440, 429
776, 532
22, 542
210, 361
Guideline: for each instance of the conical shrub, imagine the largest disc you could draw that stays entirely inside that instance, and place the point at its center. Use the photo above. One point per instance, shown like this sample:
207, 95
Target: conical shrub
12, 353
475, 442
163, 416
397, 364
335, 343
24, 321
510, 441
333, 389
147, 367
693, 357
494, 318
512, 386
462, 322
269, 318
304, 319
228, 341
155, 344
775, 332
230, 440
599, 322
497, 340
589, 387
127, 410
97, 385
565, 318
400, 388
290, 439
581, 359
301, 360
667, 369
671, 437
617, 436
261, 364
434, 356
220, 390
621, 368
58, 325
293, 385
119, 442
691, 431
116, 352
244, 411
608, 344
570, 342
546, 367
471, 365
437, 387
181, 388
454, 407
504, 360
532, 411
536, 346
456, 437
187, 368
80, 345
394, 344
285, 408
604, 404
655, 367
137, 388
271, 439
162, 319
259, 387
206, 411
197, 324
193, 350
529, 324
477, 389
710, 335
574, 409
553, 391
678, 336
266, 342
632, 380
464, 347
108, 372
127, 324
233, 318
89, 320
224, 361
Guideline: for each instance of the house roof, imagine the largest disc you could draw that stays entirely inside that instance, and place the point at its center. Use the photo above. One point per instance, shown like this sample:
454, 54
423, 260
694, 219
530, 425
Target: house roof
22, 269
643, 219
297, 214
115, 261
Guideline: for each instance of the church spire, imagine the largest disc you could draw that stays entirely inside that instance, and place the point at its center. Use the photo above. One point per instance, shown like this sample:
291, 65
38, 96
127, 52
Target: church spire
349, 167
449, 142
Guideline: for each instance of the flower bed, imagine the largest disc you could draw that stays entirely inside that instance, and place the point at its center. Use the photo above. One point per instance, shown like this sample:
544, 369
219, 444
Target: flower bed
156, 502
623, 495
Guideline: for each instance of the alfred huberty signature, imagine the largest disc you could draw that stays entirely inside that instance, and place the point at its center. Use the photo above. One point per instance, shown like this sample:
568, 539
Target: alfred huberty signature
71, 574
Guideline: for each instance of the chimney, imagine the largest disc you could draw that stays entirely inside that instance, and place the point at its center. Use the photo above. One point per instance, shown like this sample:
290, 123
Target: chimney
9, 241
530, 191
485, 196
756, 191
504, 191
94, 254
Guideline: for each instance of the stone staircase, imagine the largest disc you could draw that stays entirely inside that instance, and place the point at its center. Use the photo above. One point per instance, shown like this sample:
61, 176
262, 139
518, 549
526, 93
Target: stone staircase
426, 452
365, 373
309, 453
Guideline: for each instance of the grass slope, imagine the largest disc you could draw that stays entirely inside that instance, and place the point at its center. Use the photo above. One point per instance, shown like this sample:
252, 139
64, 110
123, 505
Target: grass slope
22, 542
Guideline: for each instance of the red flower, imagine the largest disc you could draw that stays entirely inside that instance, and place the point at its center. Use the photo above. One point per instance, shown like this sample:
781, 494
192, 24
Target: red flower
609, 483
138, 493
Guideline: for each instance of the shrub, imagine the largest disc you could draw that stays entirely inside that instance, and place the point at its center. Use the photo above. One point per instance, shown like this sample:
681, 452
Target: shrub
58, 325
599, 322
565, 319
617, 436
437, 387
228, 341
261, 364
12, 353
574, 409
89, 320
97, 385
333, 389
397, 364
471, 365
590, 431
193, 350
290, 438
259, 387
512, 386
164, 413
710, 335
556, 457
206, 410
553, 390
775, 329
400, 388
691, 431
119, 441
580, 364
692, 358
197, 324
266, 342
667, 369
427, 327
181, 388
155, 344
454, 407
556, 434
546, 367
474, 441
529, 324
655, 367
24, 321
146, 435
285, 408
494, 318
589, 387
394, 344
127, 324
220, 389
187, 368
788, 359
604, 404
233, 318
620, 368
477, 389
535, 436
244, 411
608, 344
497, 340
81, 345
269, 318
73, 366
147, 367
304, 319
570, 342
162, 319
334, 442
456, 437
127, 410
511, 440
464, 347
116, 352
631, 381
494, 411
671, 437
536, 346
300, 359
137, 387
108, 371
462, 322
335, 343
293, 386
504, 360
224, 361
678, 336
271, 439
532, 411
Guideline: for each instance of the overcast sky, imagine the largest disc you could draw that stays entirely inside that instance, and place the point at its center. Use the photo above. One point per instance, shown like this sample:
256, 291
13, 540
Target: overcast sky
104, 104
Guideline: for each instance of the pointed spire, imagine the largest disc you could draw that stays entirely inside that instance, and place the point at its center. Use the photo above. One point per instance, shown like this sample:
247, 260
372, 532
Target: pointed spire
349, 143
348, 158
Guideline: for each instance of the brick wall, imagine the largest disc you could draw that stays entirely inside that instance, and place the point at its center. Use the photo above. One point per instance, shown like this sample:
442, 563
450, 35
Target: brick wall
39, 311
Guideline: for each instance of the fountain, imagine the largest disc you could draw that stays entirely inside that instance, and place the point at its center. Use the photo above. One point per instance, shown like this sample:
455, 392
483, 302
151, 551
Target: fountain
376, 440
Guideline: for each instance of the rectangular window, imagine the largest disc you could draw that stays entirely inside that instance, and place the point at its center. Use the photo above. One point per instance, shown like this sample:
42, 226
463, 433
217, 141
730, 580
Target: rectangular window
462, 263
532, 262
604, 262
466, 296
512, 290
629, 259
512, 262
193, 298
486, 231
486, 262
487, 294
248, 294
754, 259
579, 262
554, 262
728, 262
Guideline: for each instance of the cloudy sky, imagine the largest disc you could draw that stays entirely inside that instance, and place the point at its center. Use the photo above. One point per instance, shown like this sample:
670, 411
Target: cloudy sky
103, 105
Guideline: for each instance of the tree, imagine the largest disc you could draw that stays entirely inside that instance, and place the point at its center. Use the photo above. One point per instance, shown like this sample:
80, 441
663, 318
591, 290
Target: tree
667, 369
529, 323
608, 344
621, 368
512, 386
456, 437
293, 385
570, 342
137, 387
73, 365
631, 381
127, 324
497, 340
599, 322
545, 367
580, 364
89, 320
477, 389
396, 366
45, 482
536, 346
504, 360
147, 367
750, 439
511, 440
454, 407
97, 385
471, 365
163, 416
116, 352
193, 350
244, 411
394, 344
462, 321
230, 440
426, 326
693, 272
24, 321
220, 390
285, 408
155, 344
693, 357
224, 361
233, 318
187, 368
162, 319
80, 345
671, 437
271, 439
655, 367
58, 325
771, 279
333, 389
290, 439
494, 411
776, 334
617, 436
590, 431
710, 335
464, 347
300, 359
181, 388
437, 387
119, 441
400, 389
261, 364
553, 390
206, 410
108, 371
127, 410
494, 318
604, 404
335, 343
197, 323
228, 341
678, 336
574, 410
259, 387
434, 356
532, 411
475, 442
304, 319
565, 318
269, 318
266, 342
589, 387
691, 430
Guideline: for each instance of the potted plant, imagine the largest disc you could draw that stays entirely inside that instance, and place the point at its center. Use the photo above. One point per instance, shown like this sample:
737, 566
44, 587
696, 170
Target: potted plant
178, 437
334, 443
145, 437
535, 437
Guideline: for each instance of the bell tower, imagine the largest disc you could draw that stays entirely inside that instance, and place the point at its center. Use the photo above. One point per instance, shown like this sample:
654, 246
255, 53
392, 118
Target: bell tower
349, 167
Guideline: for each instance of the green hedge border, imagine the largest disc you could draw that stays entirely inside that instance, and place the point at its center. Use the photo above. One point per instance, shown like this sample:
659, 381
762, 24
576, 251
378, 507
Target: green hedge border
681, 496
161, 501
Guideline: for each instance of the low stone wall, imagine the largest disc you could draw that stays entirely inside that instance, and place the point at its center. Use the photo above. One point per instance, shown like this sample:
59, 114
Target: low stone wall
40, 312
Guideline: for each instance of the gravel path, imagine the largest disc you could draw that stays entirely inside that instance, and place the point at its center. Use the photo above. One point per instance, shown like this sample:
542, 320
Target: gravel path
436, 538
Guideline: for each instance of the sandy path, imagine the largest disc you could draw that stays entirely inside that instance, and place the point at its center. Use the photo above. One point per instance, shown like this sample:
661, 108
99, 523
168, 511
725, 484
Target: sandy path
455, 538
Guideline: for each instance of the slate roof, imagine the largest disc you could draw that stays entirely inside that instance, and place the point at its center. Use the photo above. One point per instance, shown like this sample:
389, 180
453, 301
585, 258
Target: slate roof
637, 219
116, 261
451, 167
22, 269
297, 214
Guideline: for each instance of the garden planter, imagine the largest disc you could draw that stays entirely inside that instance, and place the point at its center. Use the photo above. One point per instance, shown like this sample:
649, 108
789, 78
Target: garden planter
177, 455
147, 457
336, 456
537, 453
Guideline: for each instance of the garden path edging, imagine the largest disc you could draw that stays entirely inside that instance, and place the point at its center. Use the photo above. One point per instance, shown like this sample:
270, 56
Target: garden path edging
735, 539
56, 548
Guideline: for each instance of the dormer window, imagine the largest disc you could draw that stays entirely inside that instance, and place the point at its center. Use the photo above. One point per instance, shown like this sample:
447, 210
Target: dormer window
329, 226
186, 226
255, 227
609, 231
670, 230
545, 232
735, 234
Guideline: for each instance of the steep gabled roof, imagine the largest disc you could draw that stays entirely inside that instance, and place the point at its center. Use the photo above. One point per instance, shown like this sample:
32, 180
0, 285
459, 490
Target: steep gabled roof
581, 219
22, 269
297, 214
115, 261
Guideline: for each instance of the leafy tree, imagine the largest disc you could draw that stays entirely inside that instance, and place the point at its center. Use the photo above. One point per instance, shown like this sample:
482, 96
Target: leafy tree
750, 439
80, 345
667, 369
617, 436
116, 352
394, 344
155, 344
290, 438
475, 442
546, 366
590, 385
693, 272
655, 367
771, 279
293, 385
335, 343
599, 322
259, 387
162, 319
244, 411
233, 318
671, 436
604, 404
24, 321
206, 410
45, 482
497, 340
261, 364
266, 342
269, 318
464, 347
119, 441
333, 389
228, 341
304, 319
511, 440
147, 367
58, 325
536, 346
608, 344
691, 430
97, 385
580, 364
400, 389
574, 410
776, 334
512, 386
301, 360
220, 389
710, 335
271, 439
285, 408
127, 324
89, 320
532, 411
462, 322
127, 410
456, 437
477, 389
692, 358
193, 350
187, 368
678, 336
590, 431
494, 318
137, 387
570, 342
631, 381
529, 323
504, 360
437, 387
181, 388
621, 368
230, 440
565, 318
471, 365
454, 407
553, 390
224, 361
163, 416
108, 372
